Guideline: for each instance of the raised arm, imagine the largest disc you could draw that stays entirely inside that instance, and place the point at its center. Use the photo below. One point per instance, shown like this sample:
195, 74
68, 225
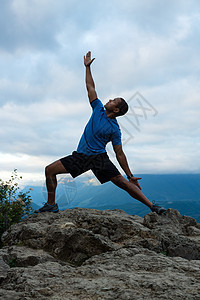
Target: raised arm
92, 95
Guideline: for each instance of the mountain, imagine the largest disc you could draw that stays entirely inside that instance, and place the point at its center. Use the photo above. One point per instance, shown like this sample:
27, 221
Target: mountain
91, 254
180, 191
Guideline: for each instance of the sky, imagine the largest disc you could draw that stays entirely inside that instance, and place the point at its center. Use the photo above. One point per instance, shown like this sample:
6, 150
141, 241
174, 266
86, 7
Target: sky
145, 51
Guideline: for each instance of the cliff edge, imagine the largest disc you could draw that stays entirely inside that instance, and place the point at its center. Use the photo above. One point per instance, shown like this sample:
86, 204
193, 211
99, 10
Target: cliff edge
91, 254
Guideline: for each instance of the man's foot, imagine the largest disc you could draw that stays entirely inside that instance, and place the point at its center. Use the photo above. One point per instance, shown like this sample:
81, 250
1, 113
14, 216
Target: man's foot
48, 208
158, 209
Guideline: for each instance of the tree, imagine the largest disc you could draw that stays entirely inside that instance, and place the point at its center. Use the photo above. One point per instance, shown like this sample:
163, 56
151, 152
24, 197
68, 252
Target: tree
14, 205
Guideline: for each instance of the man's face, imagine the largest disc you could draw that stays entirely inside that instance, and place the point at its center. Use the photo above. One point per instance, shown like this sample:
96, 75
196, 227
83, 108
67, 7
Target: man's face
111, 105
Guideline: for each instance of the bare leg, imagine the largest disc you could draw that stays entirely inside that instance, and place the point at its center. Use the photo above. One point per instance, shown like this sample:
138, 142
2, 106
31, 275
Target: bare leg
51, 181
131, 188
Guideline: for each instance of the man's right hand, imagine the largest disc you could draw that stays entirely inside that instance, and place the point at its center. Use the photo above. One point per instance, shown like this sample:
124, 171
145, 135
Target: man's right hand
134, 180
87, 59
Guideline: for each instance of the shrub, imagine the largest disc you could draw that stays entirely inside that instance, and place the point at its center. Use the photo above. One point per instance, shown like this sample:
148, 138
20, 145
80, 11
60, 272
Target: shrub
14, 205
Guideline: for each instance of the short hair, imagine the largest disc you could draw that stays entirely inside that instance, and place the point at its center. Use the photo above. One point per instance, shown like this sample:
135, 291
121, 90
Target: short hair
123, 107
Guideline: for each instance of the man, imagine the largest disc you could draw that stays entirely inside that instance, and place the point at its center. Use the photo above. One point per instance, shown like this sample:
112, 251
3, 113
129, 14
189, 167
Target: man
91, 154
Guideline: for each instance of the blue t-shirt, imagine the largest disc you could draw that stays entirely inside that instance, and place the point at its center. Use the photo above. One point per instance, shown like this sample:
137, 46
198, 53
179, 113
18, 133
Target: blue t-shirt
99, 131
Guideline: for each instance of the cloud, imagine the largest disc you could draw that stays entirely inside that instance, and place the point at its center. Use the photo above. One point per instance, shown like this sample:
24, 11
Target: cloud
40, 128
143, 58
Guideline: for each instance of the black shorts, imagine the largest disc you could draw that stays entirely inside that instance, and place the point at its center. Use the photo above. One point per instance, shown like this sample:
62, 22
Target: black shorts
100, 164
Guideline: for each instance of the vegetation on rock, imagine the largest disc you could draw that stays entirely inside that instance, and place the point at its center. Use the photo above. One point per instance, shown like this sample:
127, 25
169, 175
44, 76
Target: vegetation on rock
14, 205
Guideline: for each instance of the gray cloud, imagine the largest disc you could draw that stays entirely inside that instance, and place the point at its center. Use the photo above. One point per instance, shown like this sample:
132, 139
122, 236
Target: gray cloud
23, 24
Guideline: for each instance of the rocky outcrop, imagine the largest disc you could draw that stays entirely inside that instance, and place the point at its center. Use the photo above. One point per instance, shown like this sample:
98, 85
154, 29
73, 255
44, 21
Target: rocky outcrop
91, 254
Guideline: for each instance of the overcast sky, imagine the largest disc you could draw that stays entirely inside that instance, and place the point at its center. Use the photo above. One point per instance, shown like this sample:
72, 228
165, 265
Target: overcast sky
146, 51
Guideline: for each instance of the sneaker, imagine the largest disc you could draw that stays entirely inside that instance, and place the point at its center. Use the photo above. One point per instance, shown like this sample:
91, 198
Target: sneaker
47, 207
158, 209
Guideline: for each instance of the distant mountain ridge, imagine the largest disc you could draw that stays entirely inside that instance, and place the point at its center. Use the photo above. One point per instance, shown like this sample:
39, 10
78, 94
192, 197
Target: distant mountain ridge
180, 191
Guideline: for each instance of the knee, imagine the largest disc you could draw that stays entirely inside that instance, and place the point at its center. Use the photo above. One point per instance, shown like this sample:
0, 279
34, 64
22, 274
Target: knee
47, 171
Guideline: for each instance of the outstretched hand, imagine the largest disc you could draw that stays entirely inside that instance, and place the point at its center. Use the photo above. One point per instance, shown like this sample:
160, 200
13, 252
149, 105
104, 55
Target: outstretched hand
134, 180
87, 59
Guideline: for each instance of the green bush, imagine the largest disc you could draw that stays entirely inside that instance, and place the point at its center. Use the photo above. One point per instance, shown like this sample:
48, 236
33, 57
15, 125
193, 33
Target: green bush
14, 205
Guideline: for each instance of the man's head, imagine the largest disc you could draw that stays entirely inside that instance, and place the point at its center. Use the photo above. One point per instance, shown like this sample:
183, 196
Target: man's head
116, 107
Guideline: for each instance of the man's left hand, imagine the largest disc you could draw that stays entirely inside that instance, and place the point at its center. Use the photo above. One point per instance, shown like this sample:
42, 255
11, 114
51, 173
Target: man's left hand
134, 180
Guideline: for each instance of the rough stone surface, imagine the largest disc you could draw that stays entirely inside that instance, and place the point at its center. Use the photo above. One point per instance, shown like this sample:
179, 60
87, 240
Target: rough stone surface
90, 254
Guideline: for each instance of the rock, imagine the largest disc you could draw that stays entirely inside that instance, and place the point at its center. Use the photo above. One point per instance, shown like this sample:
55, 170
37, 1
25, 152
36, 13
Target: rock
174, 232
20, 256
3, 265
76, 245
91, 254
